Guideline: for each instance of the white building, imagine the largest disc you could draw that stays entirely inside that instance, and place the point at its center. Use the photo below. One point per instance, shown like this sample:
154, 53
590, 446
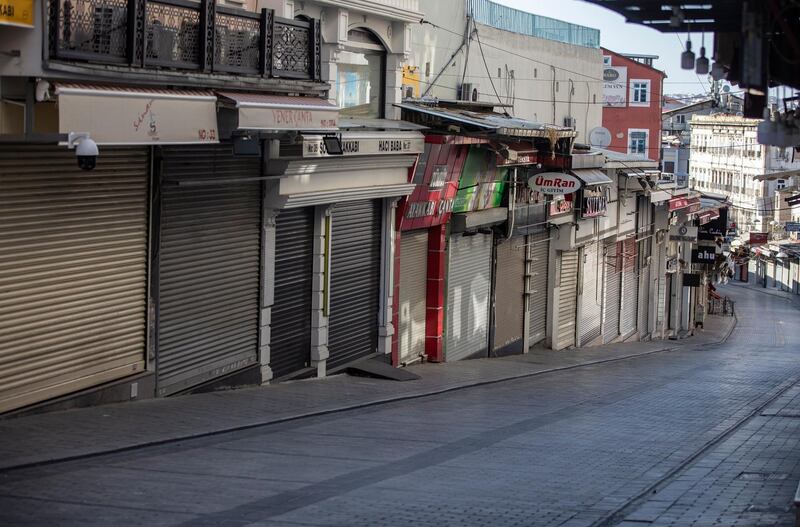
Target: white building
364, 45
546, 70
726, 158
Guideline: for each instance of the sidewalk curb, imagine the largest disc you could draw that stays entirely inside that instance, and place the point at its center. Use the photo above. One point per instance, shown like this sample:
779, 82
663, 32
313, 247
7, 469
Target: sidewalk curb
345, 408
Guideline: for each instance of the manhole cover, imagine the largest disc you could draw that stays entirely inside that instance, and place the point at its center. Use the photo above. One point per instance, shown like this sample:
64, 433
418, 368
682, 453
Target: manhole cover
762, 476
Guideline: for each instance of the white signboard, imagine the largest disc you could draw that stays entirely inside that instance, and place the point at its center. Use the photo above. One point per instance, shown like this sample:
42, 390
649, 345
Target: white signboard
554, 183
615, 85
682, 233
368, 144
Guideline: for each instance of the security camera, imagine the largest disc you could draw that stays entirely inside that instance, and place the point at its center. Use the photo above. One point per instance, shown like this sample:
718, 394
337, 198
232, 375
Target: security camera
85, 149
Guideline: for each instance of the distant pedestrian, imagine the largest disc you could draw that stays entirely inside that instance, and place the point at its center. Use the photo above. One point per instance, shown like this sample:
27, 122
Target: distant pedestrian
699, 315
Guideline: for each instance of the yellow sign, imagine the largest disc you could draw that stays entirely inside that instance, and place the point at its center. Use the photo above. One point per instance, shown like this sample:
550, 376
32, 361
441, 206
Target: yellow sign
410, 80
16, 13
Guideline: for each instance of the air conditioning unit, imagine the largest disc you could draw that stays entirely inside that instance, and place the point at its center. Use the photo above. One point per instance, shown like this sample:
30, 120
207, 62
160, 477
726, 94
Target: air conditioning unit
569, 122
469, 92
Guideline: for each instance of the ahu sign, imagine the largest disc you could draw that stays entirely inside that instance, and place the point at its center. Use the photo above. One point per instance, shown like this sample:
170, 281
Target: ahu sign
554, 183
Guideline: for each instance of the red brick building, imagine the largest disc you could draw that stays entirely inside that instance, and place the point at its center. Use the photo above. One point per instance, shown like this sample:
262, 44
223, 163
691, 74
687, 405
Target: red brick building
632, 101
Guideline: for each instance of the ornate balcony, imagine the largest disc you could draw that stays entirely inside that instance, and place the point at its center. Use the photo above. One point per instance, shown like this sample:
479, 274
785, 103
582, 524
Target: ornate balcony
184, 35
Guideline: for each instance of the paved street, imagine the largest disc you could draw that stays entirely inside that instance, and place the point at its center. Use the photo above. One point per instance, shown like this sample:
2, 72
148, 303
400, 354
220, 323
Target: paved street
700, 435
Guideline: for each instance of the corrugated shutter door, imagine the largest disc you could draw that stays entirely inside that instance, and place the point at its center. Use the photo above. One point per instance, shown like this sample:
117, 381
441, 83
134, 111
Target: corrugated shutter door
539, 256
355, 281
644, 304
770, 274
611, 291
591, 294
795, 277
209, 267
413, 288
290, 327
567, 299
509, 297
630, 288
73, 271
468, 282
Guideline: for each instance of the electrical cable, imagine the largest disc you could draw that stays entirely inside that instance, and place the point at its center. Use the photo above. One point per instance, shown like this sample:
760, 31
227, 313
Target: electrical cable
485, 65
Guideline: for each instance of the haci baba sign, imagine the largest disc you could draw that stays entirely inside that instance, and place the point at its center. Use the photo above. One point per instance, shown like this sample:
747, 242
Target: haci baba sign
554, 183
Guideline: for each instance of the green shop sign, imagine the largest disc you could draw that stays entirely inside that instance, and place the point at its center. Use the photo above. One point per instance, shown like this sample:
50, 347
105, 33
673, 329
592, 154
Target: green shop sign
482, 182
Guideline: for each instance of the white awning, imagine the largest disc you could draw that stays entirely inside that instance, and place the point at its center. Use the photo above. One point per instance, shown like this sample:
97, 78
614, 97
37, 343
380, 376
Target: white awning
592, 176
253, 111
132, 116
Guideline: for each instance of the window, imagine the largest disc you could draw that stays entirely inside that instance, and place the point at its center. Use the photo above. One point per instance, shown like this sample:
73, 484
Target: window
680, 118
640, 92
637, 142
669, 167
360, 81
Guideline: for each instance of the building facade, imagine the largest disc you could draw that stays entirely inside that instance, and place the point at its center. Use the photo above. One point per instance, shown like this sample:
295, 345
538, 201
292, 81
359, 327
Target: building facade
544, 70
632, 99
727, 159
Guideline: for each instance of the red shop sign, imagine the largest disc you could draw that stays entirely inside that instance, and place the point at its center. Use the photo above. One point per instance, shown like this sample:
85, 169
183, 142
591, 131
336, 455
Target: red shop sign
693, 204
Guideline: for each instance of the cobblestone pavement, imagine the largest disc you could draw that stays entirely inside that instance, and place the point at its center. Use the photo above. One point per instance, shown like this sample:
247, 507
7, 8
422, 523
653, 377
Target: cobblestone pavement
704, 434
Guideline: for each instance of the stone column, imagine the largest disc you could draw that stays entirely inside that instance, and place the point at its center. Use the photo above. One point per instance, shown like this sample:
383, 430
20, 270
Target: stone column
267, 299
320, 289
386, 319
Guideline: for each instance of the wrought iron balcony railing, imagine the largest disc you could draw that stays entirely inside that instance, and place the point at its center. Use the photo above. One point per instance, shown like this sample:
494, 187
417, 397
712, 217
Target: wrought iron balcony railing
184, 35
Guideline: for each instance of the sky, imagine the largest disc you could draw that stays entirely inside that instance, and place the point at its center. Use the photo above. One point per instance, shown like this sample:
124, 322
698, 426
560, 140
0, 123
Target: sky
622, 37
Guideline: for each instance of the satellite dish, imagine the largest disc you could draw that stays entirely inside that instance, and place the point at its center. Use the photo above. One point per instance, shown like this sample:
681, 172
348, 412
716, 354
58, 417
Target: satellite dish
726, 88
600, 136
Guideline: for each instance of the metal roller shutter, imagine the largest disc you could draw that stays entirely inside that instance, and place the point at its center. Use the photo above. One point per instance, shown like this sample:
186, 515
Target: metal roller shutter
539, 261
770, 274
644, 304
355, 281
209, 266
468, 284
612, 293
795, 277
591, 294
413, 288
567, 299
290, 328
73, 271
509, 297
630, 289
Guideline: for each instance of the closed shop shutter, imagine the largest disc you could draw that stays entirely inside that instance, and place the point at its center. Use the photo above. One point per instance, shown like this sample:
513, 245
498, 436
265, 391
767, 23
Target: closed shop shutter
468, 281
412, 301
795, 277
662, 302
209, 266
509, 297
630, 289
567, 299
770, 274
612, 293
355, 281
644, 304
591, 294
290, 328
73, 271
539, 256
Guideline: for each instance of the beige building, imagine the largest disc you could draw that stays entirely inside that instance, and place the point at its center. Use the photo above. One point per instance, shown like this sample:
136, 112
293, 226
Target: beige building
545, 70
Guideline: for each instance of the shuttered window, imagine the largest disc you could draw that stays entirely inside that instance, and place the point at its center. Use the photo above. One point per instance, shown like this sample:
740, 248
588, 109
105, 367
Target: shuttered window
355, 281
568, 299
591, 294
509, 297
290, 328
539, 256
209, 266
73, 271
468, 284
612, 293
412, 298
